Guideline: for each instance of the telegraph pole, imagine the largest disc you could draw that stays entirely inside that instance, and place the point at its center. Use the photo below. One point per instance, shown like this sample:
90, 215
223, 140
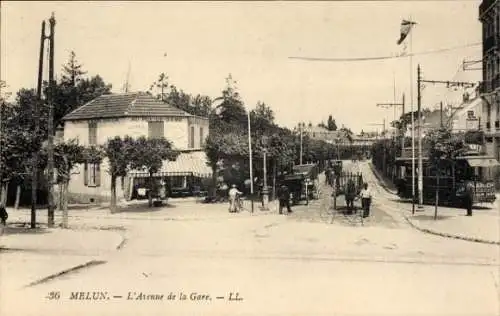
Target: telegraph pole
50, 127
301, 149
394, 105
36, 119
420, 164
419, 102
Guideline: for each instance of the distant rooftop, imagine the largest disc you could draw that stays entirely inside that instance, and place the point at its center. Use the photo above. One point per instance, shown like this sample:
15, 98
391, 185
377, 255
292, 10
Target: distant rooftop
137, 104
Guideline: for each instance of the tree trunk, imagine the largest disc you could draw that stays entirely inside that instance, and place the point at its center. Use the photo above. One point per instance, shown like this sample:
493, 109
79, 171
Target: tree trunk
213, 189
150, 191
64, 203
113, 194
274, 180
18, 197
5, 188
60, 204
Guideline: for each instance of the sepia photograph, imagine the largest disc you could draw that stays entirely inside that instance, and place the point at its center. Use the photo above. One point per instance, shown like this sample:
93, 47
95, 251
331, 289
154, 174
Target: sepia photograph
250, 158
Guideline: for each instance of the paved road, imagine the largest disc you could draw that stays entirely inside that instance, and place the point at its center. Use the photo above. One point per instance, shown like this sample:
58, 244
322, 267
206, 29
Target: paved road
281, 265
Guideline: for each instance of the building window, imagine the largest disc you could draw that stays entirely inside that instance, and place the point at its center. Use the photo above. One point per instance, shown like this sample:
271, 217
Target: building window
202, 138
92, 175
470, 114
92, 133
191, 137
156, 129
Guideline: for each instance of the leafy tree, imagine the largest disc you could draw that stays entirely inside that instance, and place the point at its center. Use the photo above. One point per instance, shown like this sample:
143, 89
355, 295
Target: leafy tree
149, 154
120, 154
66, 156
160, 86
331, 125
231, 109
72, 71
74, 89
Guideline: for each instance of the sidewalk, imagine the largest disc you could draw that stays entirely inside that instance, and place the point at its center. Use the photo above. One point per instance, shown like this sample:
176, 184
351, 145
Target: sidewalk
483, 226
80, 241
101, 217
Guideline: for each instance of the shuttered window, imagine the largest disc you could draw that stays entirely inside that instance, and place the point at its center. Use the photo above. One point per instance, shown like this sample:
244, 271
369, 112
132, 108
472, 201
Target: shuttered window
156, 129
92, 175
202, 137
92, 133
191, 137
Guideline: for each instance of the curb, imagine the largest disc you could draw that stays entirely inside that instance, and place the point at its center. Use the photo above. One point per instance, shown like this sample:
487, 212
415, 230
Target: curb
380, 180
430, 231
67, 271
446, 235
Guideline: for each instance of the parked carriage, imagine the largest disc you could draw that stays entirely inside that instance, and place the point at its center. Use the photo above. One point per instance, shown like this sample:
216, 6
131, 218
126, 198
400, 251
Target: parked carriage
303, 183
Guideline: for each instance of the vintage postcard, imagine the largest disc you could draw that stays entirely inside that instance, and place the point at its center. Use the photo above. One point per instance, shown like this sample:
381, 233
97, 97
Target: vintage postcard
250, 158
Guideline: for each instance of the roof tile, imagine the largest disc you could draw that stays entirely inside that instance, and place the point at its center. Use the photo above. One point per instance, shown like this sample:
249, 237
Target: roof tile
124, 105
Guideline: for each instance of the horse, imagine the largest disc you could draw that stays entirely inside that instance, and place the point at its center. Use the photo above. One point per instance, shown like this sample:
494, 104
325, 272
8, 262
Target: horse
350, 195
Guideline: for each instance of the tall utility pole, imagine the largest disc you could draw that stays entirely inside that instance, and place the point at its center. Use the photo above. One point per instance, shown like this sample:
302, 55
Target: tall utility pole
419, 101
301, 125
50, 127
36, 119
250, 158
265, 193
394, 105
420, 164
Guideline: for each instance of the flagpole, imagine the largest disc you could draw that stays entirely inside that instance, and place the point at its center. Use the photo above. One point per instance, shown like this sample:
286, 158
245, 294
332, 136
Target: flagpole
250, 160
412, 124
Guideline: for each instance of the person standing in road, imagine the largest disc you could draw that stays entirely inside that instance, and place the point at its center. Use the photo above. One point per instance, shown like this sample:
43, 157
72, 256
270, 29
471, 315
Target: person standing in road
366, 199
3, 215
284, 198
468, 199
233, 195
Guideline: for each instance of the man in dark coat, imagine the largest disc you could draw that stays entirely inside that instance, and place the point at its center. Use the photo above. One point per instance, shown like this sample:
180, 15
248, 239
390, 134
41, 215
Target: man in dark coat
3, 215
284, 198
468, 199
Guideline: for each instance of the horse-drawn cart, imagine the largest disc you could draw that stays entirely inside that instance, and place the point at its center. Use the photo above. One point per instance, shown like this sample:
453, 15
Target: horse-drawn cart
302, 183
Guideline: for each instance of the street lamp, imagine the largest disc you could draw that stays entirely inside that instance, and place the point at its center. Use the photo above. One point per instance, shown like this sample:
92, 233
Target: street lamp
265, 193
301, 127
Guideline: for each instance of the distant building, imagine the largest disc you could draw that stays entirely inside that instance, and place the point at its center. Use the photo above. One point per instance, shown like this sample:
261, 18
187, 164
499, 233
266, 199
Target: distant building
135, 115
467, 117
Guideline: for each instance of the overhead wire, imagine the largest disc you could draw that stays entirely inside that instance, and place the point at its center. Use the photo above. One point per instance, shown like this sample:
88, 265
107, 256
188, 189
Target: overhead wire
396, 56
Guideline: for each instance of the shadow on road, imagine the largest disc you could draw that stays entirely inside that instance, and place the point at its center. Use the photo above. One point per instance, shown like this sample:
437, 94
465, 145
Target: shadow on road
18, 228
475, 207
430, 217
143, 208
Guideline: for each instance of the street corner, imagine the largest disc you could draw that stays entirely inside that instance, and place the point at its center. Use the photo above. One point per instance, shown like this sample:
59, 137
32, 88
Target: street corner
42, 239
480, 228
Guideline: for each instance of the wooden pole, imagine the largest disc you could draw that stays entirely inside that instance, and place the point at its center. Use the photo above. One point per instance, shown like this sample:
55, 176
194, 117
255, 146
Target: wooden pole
36, 119
50, 146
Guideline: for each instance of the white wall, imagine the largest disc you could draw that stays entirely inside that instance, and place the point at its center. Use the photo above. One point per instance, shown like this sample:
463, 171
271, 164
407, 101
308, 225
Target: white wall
198, 123
176, 130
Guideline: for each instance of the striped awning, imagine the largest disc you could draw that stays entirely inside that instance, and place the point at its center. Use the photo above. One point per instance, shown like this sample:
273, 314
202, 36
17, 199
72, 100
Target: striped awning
187, 164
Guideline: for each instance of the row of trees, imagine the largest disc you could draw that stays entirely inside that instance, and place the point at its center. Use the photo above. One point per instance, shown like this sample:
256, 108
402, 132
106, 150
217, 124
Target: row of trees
227, 142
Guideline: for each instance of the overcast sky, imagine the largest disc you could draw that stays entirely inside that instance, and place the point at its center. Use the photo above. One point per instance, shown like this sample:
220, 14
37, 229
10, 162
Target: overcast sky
199, 44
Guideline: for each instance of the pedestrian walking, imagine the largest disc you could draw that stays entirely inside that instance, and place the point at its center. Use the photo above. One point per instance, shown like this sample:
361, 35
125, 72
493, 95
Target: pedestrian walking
284, 198
366, 199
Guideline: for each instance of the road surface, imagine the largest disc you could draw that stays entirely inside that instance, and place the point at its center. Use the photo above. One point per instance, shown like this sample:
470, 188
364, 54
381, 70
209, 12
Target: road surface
301, 264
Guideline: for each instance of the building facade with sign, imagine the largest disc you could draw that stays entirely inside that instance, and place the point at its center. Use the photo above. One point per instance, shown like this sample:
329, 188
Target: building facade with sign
135, 115
489, 15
